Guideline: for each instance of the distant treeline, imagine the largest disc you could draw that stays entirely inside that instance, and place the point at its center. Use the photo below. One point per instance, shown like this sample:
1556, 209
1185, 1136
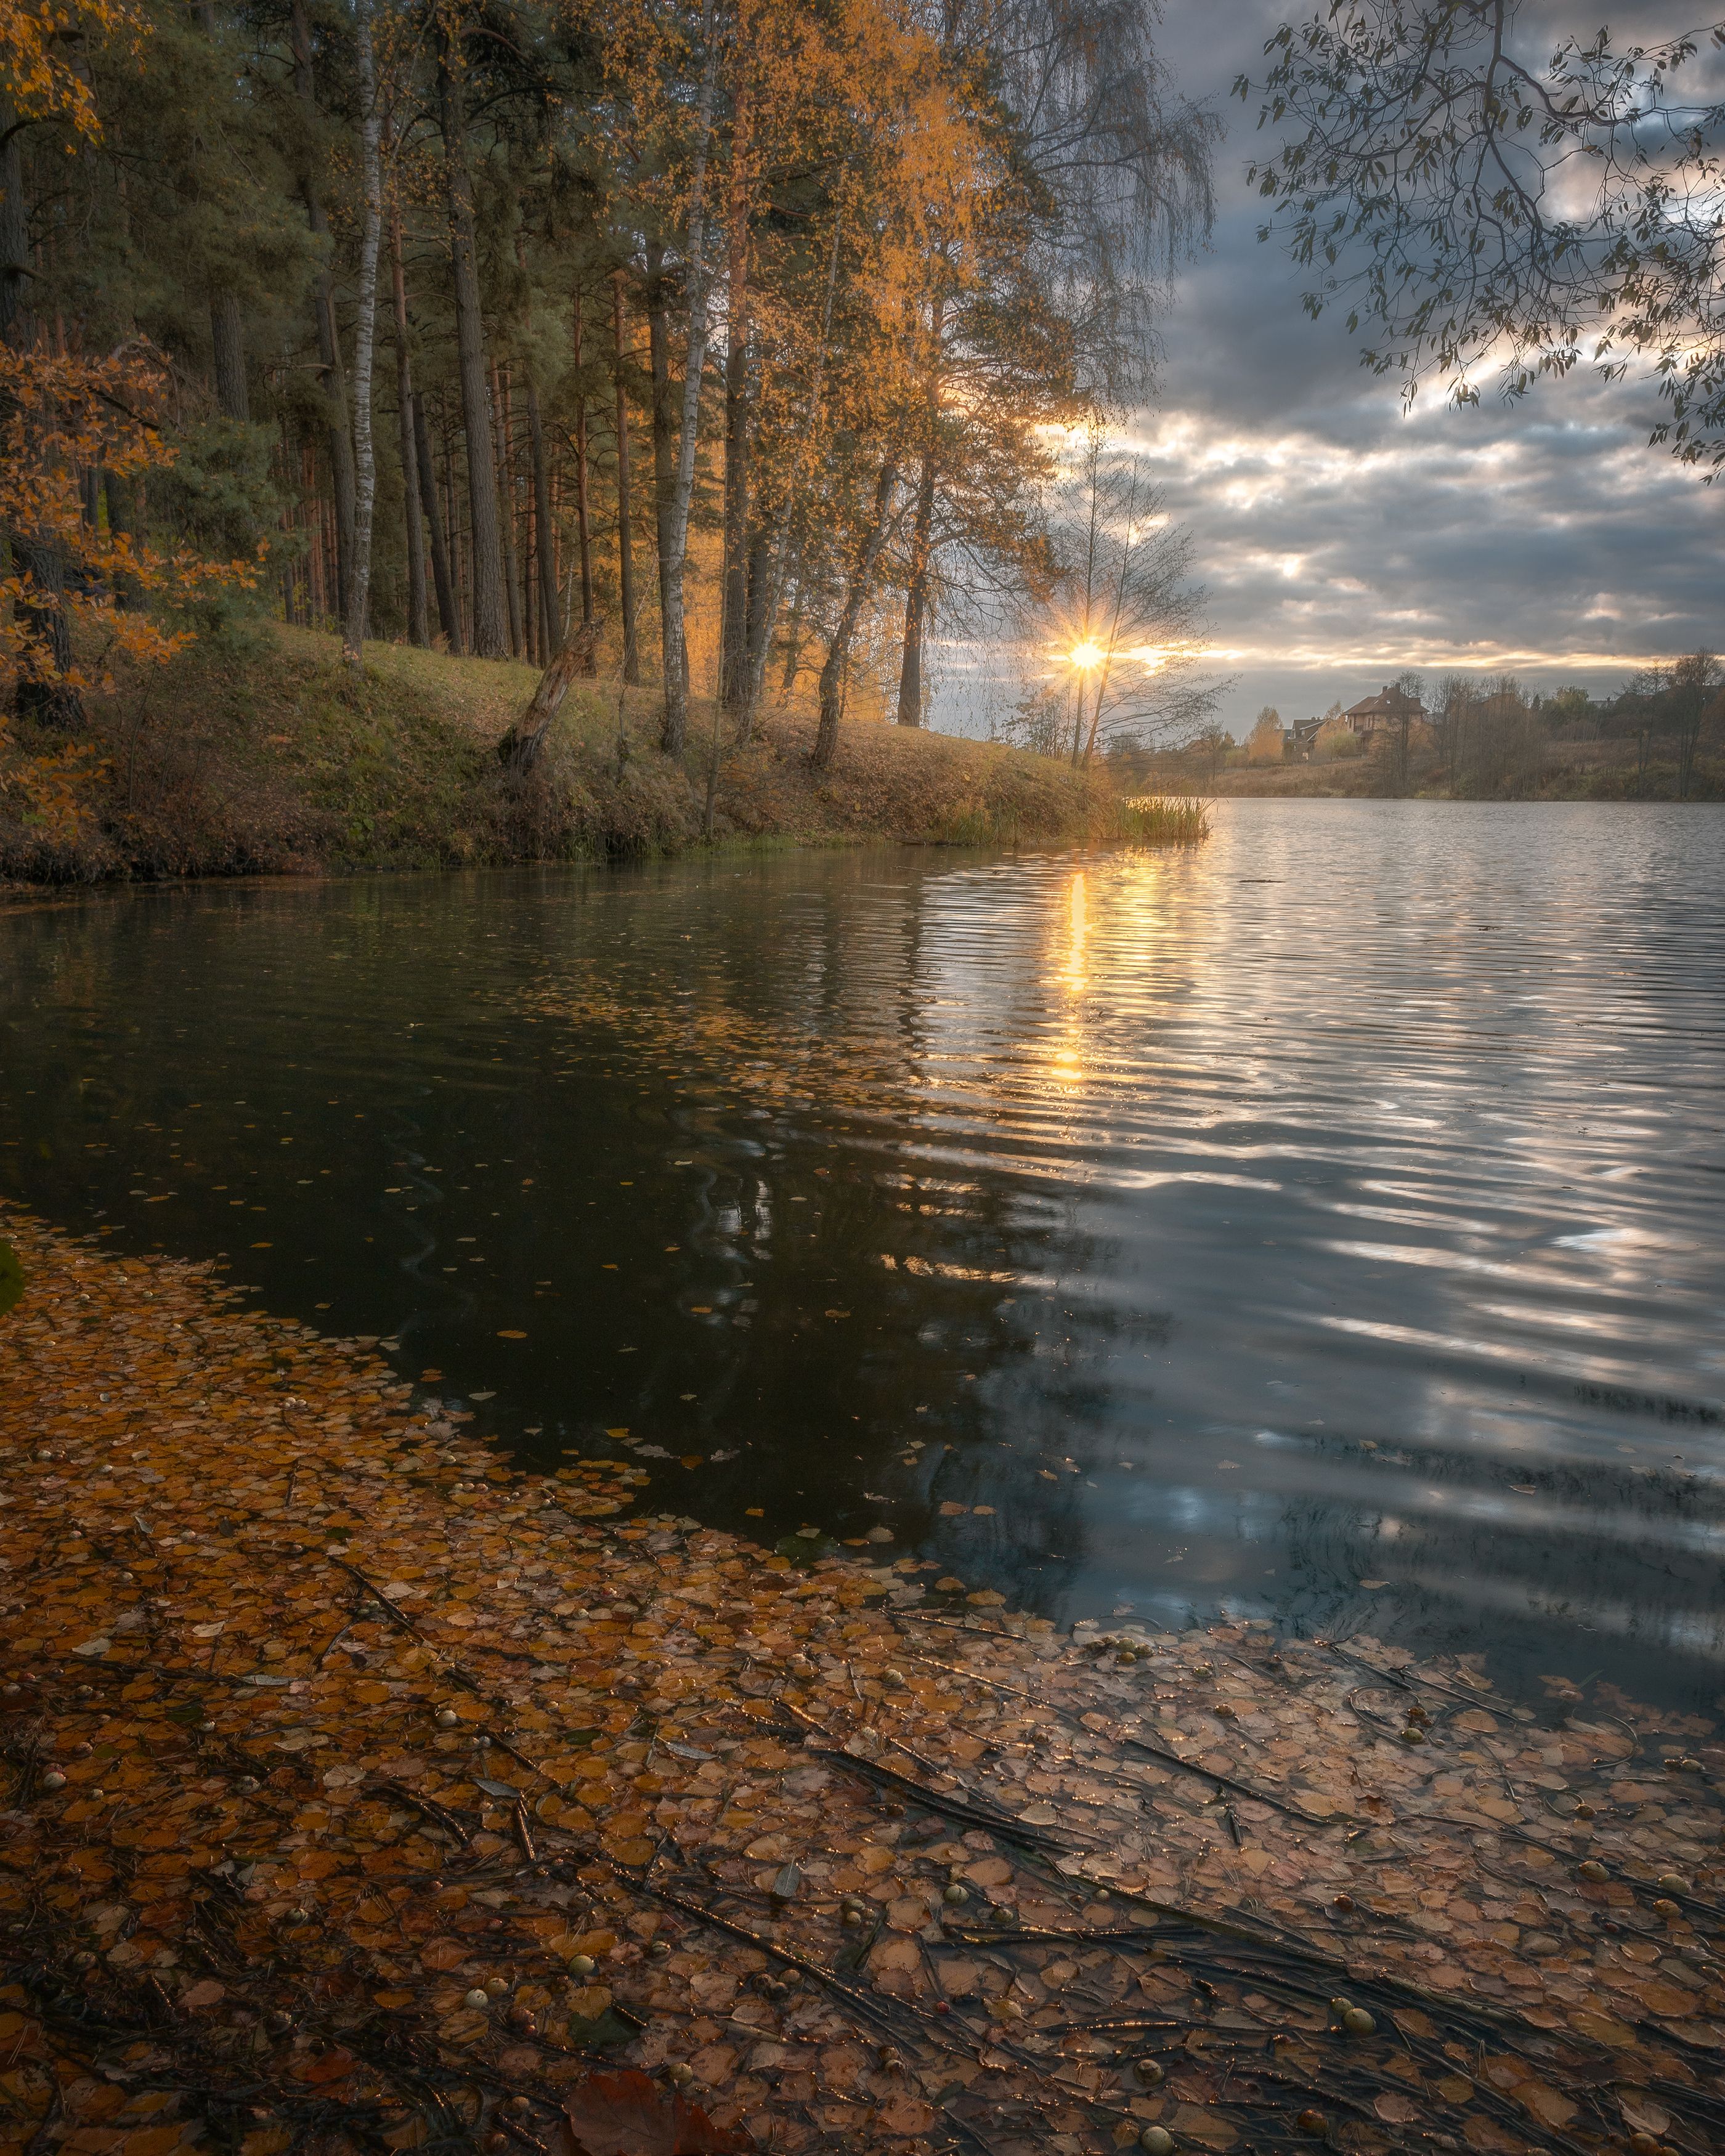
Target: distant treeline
1662, 735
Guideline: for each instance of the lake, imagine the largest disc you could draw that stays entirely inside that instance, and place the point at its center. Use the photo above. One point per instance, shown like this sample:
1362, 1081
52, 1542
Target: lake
1326, 1224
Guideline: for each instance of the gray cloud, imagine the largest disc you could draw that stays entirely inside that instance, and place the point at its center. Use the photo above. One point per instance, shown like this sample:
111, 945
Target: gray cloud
1341, 539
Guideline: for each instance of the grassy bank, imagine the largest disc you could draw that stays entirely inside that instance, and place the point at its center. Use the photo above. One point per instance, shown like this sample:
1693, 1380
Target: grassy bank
361, 1794
270, 756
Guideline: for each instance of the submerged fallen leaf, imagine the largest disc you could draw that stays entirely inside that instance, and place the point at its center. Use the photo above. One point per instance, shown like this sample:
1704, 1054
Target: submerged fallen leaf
627, 2113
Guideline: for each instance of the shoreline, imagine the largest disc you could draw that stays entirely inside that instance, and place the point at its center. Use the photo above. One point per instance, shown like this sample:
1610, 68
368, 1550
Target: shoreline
364, 1793
281, 761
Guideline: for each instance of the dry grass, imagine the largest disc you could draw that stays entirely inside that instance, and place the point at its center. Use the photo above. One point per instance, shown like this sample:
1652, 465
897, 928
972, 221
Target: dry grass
270, 756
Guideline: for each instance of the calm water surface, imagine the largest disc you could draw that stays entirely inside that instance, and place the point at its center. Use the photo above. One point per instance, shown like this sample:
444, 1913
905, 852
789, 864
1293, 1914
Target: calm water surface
1326, 1223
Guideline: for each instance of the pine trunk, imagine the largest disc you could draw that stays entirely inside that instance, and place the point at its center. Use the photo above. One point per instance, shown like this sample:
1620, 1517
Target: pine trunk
733, 664
413, 516
448, 614
675, 731
489, 621
365, 454
227, 334
625, 549
663, 437
505, 496
583, 522
329, 339
550, 618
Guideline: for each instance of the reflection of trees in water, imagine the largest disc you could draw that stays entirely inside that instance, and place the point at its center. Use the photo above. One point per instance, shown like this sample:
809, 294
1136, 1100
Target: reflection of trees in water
1630, 1563
849, 1046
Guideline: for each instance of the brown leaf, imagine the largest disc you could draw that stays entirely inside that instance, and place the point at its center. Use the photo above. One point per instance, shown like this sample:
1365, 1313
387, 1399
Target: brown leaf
627, 2113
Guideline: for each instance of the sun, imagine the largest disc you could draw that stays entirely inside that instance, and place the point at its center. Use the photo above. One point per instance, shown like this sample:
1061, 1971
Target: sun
1086, 654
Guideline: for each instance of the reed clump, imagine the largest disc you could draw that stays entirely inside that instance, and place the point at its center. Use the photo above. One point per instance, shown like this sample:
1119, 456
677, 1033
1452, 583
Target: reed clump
1164, 820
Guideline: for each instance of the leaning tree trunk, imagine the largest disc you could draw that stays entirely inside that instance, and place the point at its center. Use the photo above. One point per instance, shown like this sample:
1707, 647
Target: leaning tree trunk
522, 746
365, 453
832, 674
490, 622
675, 731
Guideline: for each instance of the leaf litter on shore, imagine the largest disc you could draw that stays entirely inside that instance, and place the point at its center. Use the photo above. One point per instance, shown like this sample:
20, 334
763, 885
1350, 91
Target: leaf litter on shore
362, 1794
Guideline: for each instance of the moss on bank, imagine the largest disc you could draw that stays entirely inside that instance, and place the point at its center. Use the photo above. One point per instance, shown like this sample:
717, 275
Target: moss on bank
270, 756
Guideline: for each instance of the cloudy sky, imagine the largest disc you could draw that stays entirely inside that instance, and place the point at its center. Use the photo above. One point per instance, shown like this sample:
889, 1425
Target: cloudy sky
1341, 540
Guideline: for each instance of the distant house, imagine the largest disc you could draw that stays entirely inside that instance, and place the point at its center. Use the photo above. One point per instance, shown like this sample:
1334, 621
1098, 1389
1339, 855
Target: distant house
1301, 735
1388, 708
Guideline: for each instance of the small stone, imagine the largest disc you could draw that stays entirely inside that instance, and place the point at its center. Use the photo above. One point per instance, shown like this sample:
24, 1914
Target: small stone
581, 1965
955, 1895
477, 1999
447, 1718
53, 1780
1149, 2072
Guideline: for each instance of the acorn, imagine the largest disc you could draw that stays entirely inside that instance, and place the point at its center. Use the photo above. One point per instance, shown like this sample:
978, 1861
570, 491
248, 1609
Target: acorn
679, 2072
1413, 1734
496, 1986
659, 1949
1343, 1902
1312, 2122
1158, 2140
1358, 2023
1149, 2072
581, 1965
1672, 1882
447, 1718
1666, 1909
477, 1999
955, 1895
1642, 2144
278, 2021
1593, 1871
1585, 1812
53, 1780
